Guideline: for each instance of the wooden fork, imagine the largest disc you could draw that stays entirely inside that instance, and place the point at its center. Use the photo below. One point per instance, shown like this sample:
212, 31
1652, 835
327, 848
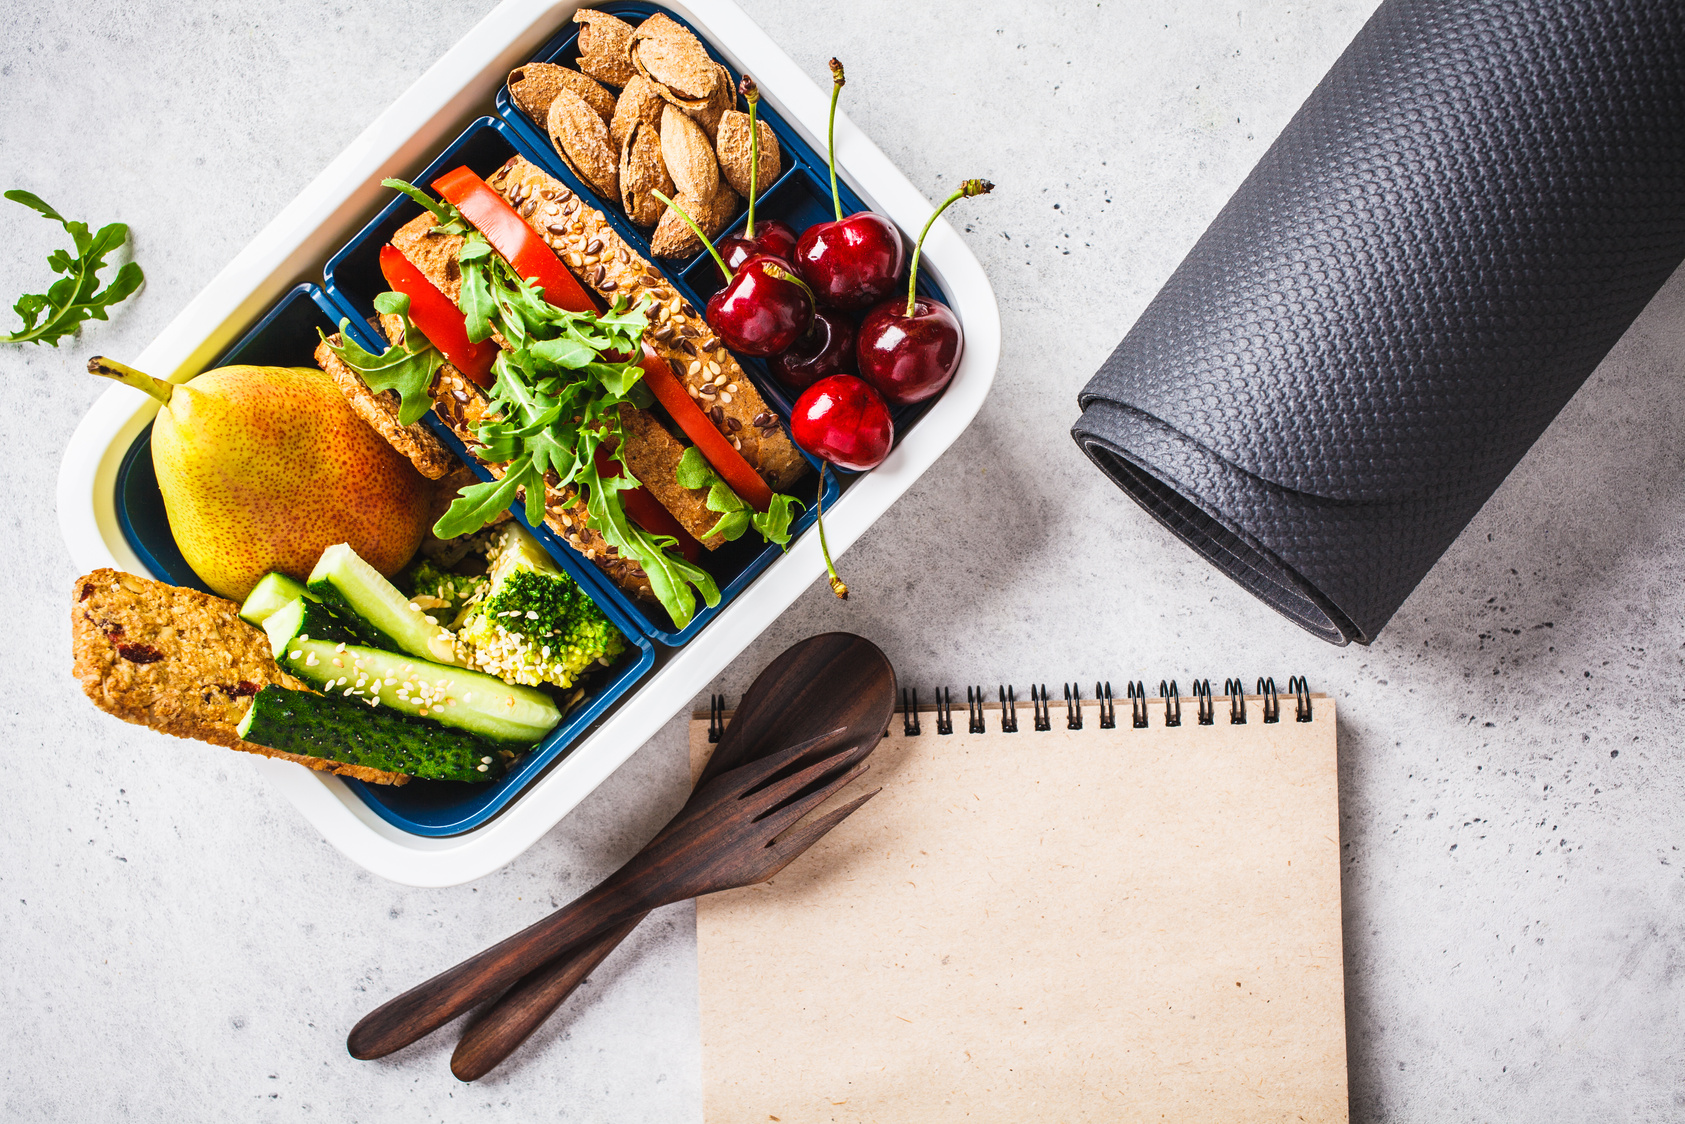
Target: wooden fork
731, 833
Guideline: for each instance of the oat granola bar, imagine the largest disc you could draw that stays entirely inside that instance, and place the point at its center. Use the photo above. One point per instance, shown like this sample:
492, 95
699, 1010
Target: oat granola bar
179, 661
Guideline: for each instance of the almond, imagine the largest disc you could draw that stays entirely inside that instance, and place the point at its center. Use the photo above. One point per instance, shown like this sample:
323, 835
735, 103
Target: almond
603, 40
675, 60
534, 87
689, 156
673, 239
581, 137
722, 99
643, 172
639, 101
734, 150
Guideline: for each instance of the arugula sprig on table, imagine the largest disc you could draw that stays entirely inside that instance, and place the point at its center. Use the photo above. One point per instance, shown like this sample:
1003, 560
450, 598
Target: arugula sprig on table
73, 299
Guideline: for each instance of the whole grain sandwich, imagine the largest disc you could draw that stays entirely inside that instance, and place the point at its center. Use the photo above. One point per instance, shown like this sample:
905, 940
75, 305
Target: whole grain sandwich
537, 335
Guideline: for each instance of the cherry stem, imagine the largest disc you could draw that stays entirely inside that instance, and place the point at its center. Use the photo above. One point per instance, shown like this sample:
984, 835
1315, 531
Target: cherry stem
752, 95
690, 222
837, 586
785, 275
831, 133
128, 376
966, 190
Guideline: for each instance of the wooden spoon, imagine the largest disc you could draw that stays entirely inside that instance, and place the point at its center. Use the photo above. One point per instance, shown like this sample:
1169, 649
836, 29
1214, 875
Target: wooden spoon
824, 682
738, 829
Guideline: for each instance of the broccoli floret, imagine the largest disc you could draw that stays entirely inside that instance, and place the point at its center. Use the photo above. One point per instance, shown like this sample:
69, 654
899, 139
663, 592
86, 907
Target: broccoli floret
535, 625
441, 594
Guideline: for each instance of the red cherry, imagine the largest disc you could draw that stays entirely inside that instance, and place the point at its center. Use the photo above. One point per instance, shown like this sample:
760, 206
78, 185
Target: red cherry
910, 349
826, 348
763, 309
909, 358
772, 238
852, 262
843, 421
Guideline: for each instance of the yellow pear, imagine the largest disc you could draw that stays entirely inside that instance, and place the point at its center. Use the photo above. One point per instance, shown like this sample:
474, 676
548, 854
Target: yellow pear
263, 468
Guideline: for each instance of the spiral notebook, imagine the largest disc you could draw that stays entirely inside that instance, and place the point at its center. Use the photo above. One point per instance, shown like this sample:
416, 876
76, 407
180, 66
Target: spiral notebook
1053, 911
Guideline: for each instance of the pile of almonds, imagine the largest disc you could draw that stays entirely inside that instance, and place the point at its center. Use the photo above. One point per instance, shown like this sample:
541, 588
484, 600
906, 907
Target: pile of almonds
673, 128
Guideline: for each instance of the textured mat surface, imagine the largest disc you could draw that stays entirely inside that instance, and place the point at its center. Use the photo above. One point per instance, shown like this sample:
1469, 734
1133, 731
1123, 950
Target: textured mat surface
1463, 218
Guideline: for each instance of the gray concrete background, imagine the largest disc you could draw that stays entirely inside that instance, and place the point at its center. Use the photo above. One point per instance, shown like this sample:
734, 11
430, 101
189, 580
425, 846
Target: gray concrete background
179, 945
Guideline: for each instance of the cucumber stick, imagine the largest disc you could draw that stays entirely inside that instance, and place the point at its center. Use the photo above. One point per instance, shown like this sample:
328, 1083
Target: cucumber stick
273, 592
351, 586
310, 620
336, 728
453, 696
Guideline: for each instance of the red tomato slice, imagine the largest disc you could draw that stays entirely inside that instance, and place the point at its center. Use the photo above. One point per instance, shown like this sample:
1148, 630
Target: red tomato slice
727, 461
439, 320
510, 236
646, 511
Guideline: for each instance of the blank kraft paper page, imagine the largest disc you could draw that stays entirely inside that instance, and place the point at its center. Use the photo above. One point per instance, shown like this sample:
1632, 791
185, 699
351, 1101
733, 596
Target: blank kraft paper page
1095, 924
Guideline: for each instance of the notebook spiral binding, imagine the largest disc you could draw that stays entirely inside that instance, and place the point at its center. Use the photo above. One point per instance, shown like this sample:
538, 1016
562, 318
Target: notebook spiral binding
1041, 700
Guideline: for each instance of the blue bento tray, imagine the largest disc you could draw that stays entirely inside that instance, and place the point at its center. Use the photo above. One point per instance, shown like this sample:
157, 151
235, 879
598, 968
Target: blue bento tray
286, 337
353, 280
800, 197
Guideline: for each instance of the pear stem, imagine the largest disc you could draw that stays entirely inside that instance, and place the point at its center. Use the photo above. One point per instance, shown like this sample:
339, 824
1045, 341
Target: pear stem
837, 586
752, 95
831, 134
966, 190
690, 222
128, 376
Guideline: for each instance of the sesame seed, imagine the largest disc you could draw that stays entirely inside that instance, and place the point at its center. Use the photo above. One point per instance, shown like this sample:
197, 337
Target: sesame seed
294, 655
483, 768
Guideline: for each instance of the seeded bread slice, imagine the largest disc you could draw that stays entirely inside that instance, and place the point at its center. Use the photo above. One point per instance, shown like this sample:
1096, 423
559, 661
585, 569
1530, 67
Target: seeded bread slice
180, 662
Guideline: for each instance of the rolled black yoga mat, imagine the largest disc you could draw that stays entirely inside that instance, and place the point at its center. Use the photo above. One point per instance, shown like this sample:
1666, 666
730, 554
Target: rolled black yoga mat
1469, 210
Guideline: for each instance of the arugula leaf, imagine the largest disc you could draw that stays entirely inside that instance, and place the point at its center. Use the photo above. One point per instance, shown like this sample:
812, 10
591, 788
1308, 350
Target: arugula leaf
736, 517
693, 469
774, 523
450, 219
407, 367
478, 504
72, 300
476, 302
670, 575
